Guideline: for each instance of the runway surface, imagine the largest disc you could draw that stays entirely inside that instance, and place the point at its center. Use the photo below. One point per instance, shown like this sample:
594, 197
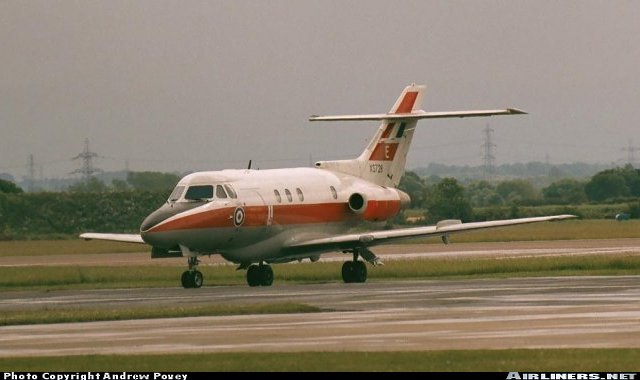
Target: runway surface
405, 315
392, 315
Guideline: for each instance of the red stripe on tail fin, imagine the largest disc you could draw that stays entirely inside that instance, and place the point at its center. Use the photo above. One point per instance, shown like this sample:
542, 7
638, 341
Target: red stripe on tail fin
388, 130
384, 152
407, 102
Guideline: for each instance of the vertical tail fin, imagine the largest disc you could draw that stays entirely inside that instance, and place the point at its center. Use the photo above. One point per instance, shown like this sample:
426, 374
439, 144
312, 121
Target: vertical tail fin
385, 157
383, 160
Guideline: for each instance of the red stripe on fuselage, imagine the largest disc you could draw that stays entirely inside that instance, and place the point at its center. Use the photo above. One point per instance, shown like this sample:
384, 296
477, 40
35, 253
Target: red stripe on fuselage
311, 213
283, 214
406, 105
381, 210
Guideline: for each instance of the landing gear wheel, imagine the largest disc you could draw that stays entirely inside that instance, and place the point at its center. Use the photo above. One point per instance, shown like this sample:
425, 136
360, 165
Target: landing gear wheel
266, 278
359, 271
259, 275
187, 280
198, 279
347, 272
192, 279
253, 275
354, 271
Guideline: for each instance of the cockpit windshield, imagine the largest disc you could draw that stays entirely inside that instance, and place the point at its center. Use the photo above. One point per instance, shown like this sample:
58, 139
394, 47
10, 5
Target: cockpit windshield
199, 192
202, 192
230, 191
176, 193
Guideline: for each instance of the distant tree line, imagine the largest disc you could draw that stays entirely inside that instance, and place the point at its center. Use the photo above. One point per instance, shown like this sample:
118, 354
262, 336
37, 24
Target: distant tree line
63, 215
87, 206
122, 205
540, 171
146, 181
446, 198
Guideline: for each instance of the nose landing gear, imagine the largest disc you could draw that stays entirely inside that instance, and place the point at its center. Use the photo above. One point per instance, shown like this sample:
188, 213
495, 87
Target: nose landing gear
193, 277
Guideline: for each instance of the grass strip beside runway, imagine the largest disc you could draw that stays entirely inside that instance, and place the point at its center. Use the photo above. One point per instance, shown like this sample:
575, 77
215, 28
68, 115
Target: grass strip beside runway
105, 277
118, 314
565, 230
545, 360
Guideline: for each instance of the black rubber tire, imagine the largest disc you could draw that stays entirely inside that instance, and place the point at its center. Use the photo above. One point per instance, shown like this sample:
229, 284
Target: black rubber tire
347, 272
198, 279
359, 271
187, 280
266, 275
254, 275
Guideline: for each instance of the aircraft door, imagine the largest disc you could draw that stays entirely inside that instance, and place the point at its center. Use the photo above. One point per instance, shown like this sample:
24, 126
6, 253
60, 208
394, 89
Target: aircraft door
258, 212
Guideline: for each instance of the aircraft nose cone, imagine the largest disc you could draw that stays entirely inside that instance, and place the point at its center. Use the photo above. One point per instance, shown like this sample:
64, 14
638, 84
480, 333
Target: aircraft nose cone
165, 212
151, 220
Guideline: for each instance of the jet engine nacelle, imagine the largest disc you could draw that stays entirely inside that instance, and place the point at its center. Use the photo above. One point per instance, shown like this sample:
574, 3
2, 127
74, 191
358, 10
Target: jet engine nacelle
377, 204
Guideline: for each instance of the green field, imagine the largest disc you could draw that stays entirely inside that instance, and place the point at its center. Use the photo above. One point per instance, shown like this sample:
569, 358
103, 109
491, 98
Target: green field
100, 277
25, 317
565, 230
573, 360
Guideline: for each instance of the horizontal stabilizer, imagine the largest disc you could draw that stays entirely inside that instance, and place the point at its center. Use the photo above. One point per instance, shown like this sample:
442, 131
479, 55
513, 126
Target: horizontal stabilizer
417, 115
126, 238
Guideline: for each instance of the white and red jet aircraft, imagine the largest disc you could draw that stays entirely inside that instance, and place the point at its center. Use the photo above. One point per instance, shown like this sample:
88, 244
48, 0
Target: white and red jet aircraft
258, 217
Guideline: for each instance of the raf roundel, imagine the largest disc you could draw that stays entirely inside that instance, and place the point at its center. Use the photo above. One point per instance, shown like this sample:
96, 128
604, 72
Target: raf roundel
238, 216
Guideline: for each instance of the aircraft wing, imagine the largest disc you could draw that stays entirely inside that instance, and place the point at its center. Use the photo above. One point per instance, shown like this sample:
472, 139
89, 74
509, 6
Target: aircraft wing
350, 241
127, 238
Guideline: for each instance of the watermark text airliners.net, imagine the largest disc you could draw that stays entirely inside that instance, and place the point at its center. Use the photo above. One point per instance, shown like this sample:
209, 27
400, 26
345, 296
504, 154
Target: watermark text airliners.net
570, 376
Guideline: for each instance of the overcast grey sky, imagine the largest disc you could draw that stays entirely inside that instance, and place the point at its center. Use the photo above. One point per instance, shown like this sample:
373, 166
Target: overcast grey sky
194, 85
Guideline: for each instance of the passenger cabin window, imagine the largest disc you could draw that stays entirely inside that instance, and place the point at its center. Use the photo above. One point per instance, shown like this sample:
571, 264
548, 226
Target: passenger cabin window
277, 194
220, 193
176, 193
300, 195
231, 191
288, 194
199, 192
334, 193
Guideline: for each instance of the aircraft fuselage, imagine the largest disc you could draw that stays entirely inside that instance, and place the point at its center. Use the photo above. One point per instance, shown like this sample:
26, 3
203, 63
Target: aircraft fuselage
254, 215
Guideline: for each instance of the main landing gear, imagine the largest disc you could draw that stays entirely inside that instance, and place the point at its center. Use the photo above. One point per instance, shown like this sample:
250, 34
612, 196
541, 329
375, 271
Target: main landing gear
260, 275
193, 277
355, 271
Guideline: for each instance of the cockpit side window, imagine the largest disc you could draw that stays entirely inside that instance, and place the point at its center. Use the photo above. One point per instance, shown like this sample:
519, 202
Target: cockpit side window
231, 191
176, 193
220, 193
199, 192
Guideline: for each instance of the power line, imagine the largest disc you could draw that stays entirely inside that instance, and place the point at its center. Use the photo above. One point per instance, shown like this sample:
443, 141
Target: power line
31, 176
87, 156
488, 158
630, 149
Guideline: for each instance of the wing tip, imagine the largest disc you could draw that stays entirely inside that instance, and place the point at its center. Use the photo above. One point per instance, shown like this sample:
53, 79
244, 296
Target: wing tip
517, 111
